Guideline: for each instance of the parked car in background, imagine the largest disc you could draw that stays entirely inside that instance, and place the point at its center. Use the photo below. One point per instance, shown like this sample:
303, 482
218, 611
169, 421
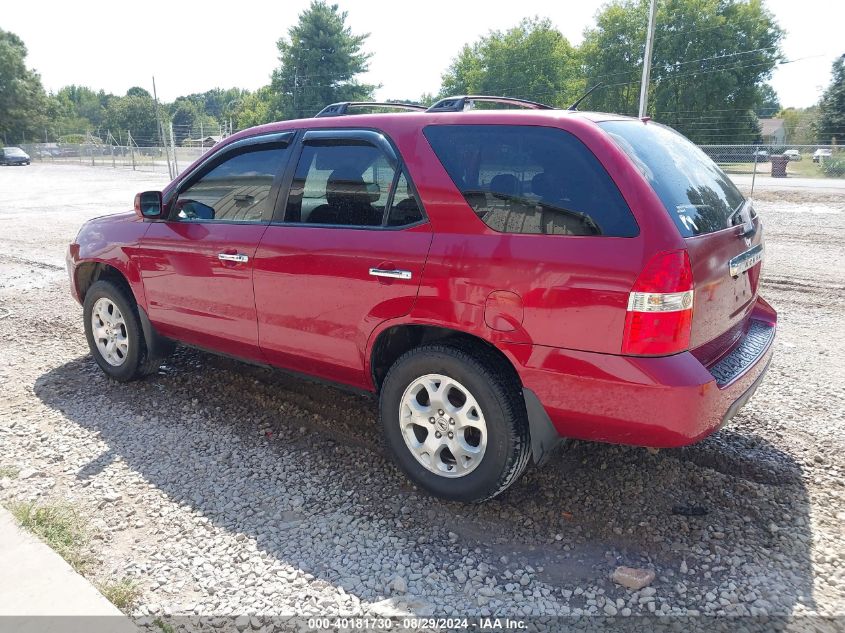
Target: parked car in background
761, 155
13, 156
499, 280
792, 154
821, 154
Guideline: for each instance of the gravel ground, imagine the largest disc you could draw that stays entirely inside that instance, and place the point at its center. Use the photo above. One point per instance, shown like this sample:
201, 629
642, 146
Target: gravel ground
228, 490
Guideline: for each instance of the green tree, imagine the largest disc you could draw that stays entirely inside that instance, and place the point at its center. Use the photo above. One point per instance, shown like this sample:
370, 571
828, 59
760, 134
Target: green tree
320, 59
23, 102
134, 113
190, 121
768, 103
710, 65
533, 60
831, 122
137, 91
85, 104
255, 108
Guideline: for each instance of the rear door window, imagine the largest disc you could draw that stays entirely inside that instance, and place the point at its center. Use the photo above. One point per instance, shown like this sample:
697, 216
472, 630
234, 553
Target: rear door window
346, 181
698, 195
531, 179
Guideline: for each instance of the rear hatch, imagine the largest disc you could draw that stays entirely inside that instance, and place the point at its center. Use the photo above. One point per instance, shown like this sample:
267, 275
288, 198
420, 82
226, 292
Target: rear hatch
723, 235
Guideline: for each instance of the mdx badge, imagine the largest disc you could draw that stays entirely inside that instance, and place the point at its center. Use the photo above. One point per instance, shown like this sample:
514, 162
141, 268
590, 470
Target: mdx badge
746, 260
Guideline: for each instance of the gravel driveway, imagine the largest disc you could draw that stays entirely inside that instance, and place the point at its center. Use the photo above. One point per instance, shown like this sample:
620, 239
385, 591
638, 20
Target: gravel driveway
229, 490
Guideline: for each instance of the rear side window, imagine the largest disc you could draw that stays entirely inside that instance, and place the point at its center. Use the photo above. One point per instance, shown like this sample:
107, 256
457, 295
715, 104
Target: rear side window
698, 195
350, 184
341, 185
530, 179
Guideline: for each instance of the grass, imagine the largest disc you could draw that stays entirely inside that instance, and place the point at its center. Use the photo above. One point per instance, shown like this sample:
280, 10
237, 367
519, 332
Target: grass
57, 525
61, 527
804, 168
165, 628
123, 593
9, 472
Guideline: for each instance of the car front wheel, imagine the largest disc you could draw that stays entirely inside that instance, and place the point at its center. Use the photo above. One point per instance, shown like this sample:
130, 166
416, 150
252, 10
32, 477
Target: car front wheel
454, 420
114, 332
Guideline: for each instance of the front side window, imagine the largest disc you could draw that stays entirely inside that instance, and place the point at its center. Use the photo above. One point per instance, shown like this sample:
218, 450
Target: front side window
236, 190
531, 179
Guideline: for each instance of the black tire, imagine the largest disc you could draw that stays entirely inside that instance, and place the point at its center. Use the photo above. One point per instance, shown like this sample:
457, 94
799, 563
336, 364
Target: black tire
496, 389
137, 363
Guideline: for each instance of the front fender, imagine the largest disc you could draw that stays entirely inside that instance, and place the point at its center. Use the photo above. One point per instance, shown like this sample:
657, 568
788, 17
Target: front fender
112, 241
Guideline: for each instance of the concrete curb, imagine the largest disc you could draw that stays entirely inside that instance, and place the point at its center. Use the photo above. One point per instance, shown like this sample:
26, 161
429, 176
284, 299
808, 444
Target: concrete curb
36, 581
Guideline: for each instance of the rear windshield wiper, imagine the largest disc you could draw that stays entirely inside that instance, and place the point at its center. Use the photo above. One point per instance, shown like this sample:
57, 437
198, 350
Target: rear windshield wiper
747, 222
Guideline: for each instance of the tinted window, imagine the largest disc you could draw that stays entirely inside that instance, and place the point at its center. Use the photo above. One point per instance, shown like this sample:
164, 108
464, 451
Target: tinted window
696, 193
405, 209
528, 179
236, 190
345, 185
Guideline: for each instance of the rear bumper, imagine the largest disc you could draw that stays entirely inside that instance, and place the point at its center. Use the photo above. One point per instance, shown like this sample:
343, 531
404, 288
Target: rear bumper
660, 402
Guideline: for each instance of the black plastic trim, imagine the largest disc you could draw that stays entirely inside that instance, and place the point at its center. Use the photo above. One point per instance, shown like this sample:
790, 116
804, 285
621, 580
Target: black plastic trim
740, 359
459, 103
544, 436
341, 108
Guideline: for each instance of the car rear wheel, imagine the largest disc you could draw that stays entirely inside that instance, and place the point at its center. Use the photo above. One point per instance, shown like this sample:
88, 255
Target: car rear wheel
114, 332
454, 420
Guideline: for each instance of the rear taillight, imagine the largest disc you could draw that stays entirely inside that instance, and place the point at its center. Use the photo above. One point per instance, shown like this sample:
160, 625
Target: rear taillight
659, 317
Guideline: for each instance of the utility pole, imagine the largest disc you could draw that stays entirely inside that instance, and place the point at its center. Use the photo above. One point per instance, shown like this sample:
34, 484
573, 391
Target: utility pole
295, 86
649, 44
202, 139
131, 148
173, 147
161, 130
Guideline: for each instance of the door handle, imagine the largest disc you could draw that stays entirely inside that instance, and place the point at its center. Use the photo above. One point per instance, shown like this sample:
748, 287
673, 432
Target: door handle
236, 257
392, 274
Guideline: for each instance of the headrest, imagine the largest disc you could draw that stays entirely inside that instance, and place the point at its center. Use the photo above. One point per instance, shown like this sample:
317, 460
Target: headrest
342, 188
505, 184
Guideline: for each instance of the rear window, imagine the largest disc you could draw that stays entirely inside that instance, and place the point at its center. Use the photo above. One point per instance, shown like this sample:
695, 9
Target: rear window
531, 179
697, 194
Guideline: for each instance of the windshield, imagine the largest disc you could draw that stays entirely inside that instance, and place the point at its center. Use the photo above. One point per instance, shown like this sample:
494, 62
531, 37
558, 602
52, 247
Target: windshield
698, 195
14, 151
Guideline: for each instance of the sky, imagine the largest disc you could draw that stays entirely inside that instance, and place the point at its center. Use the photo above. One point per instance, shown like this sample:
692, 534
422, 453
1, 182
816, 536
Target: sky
194, 46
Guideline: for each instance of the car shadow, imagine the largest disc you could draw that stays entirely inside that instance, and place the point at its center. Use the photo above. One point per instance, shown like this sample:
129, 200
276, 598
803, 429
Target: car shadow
725, 520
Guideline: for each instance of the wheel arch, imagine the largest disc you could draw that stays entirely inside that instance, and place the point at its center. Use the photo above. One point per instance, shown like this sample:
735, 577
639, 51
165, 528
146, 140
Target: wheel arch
87, 273
389, 343
393, 340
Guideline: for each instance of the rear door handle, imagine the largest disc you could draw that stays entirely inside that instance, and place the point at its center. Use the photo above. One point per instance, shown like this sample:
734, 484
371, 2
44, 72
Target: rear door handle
392, 274
236, 257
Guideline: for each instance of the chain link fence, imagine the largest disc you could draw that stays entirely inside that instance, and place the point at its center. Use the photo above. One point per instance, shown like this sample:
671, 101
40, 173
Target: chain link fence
164, 160
804, 160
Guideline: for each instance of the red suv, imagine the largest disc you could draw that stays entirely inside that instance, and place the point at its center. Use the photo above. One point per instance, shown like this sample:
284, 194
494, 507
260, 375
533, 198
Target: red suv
501, 278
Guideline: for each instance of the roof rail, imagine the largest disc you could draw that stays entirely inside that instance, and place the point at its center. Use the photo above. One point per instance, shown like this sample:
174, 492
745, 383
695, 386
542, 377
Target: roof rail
464, 102
341, 108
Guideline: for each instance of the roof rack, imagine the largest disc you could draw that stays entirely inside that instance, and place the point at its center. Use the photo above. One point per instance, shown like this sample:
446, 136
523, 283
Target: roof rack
341, 108
465, 102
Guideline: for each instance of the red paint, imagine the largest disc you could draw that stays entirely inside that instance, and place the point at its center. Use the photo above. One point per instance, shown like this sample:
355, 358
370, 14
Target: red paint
554, 305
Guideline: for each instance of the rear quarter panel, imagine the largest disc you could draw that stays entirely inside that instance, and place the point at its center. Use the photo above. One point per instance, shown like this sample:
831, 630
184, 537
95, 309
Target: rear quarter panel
573, 289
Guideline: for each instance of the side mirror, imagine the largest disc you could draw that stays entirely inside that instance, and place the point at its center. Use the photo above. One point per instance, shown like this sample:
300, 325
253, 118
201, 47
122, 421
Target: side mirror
148, 205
